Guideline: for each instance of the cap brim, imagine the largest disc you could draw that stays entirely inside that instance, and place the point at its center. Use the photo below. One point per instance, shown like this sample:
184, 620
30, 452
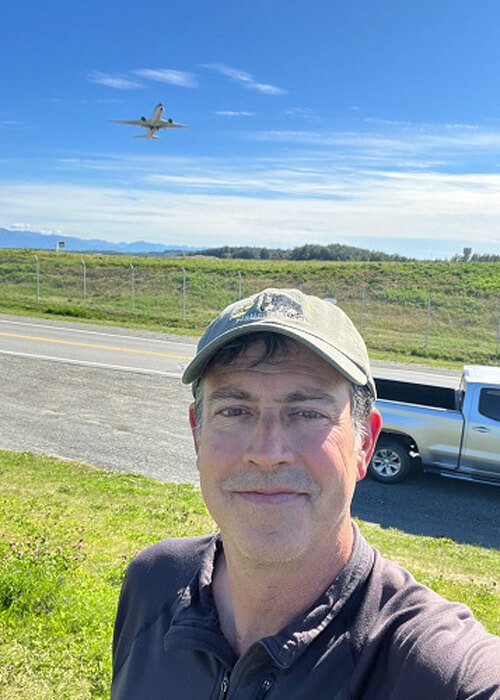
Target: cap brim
327, 351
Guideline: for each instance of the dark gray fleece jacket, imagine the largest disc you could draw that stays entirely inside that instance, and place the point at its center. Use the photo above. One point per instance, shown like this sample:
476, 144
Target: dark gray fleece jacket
375, 634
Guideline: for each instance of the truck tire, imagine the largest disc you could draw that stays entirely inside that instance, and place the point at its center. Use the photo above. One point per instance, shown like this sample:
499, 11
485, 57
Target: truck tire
391, 461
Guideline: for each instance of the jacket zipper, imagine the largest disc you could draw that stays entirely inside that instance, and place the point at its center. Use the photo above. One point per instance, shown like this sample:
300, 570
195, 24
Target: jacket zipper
224, 686
264, 687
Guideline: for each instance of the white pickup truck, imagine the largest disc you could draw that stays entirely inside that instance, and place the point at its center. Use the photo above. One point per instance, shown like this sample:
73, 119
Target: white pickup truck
455, 432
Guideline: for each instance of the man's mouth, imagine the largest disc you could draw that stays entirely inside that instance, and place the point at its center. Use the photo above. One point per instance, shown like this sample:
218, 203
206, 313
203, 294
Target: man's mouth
269, 496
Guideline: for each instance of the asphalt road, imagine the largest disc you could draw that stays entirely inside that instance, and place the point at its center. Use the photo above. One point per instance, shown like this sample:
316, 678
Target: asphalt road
112, 398
95, 346
135, 350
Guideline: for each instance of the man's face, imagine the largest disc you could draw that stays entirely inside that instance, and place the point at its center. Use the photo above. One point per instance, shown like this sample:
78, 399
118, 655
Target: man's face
277, 453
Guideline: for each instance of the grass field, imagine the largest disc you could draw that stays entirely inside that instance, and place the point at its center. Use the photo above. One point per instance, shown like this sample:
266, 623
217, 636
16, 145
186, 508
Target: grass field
67, 532
437, 312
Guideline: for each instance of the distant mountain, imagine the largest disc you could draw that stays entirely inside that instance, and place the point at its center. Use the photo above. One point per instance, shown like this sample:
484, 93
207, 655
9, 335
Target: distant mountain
46, 241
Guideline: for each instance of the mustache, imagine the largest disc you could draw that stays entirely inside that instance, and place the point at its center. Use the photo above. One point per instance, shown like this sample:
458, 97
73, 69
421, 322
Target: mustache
288, 479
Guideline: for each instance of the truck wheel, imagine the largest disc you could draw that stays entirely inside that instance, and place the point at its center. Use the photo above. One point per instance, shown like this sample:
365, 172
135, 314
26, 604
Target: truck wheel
390, 462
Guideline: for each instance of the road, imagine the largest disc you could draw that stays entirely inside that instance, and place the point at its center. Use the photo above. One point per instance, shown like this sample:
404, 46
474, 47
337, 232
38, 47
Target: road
142, 351
112, 397
104, 396
94, 346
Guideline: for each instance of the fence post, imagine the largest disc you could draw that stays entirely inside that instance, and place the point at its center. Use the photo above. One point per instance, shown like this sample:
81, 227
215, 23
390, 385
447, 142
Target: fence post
239, 285
84, 281
428, 321
183, 293
362, 310
132, 288
37, 279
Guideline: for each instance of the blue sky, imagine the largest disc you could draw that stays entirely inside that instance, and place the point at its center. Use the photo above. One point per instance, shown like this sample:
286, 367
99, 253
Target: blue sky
369, 123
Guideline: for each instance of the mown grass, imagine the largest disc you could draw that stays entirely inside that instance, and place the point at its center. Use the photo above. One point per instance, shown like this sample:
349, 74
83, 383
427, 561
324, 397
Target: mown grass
67, 532
387, 301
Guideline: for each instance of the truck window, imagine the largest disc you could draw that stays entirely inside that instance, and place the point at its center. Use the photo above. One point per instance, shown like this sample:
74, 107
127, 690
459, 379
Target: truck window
489, 403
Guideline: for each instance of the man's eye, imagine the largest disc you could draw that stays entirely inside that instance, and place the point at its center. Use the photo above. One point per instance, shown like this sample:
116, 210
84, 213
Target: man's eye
308, 413
231, 412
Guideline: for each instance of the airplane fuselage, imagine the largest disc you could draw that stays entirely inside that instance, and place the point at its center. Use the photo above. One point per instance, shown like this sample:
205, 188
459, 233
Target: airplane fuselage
152, 125
156, 118
154, 122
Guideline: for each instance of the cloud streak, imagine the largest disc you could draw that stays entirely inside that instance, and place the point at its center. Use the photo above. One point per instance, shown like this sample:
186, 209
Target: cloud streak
168, 75
302, 112
117, 82
456, 145
230, 113
245, 79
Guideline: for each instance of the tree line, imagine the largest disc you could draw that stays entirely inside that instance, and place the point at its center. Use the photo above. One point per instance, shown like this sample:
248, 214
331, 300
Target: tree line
333, 251
310, 251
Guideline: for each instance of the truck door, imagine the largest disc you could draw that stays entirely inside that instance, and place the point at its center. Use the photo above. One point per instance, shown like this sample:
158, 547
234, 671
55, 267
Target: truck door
481, 446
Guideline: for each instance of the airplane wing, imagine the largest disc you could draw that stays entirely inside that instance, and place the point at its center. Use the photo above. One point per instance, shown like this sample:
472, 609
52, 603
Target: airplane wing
169, 124
132, 122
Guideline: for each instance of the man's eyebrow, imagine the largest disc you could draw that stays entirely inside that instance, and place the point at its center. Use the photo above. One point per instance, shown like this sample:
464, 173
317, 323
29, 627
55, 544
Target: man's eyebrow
223, 393
308, 395
234, 393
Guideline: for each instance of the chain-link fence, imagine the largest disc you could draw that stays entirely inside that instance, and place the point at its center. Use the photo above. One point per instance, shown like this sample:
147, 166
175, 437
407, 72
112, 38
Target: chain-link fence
399, 319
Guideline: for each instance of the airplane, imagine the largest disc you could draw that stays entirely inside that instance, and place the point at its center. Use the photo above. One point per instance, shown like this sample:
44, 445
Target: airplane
152, 125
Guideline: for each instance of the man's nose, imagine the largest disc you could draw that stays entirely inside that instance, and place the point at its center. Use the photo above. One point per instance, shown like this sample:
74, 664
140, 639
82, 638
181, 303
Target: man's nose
268, 443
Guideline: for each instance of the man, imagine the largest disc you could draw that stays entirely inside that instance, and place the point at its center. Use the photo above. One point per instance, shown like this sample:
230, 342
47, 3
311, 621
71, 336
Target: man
288, 601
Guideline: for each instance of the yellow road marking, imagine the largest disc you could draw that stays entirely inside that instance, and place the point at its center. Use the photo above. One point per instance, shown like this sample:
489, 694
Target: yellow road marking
92, 345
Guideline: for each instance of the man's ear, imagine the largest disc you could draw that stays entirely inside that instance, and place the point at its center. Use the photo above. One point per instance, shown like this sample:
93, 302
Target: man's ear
194, 427
373, 428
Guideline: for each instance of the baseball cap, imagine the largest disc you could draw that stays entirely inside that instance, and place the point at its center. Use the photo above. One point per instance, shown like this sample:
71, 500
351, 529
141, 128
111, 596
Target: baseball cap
316, 323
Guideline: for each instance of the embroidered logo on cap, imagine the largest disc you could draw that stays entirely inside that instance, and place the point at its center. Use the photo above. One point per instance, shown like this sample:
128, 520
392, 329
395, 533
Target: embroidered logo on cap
268, 304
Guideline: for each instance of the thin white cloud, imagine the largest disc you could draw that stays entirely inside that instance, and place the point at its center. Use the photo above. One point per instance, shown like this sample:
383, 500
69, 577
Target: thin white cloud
419, 126
387, 145
168, 75
85, 101
230, 113
472, 127
18, 226
302, 112
303, 174
387, 122
245, 79
118, 82
28, 227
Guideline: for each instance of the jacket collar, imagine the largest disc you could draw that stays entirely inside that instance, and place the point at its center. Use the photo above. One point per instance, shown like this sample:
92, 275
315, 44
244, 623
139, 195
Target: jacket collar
196, 609
291, 642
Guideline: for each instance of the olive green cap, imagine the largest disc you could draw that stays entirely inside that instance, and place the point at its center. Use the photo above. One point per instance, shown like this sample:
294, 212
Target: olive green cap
316, 323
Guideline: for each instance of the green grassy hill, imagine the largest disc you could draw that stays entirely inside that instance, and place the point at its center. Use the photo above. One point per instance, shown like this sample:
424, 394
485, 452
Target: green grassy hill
426, 311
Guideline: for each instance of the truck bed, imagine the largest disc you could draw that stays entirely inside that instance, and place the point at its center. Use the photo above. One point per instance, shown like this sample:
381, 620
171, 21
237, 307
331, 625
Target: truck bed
419, 394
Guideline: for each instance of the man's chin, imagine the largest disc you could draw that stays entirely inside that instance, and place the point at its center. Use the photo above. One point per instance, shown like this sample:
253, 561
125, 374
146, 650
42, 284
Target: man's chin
268, 548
